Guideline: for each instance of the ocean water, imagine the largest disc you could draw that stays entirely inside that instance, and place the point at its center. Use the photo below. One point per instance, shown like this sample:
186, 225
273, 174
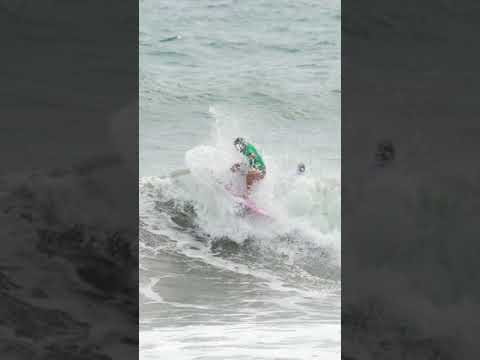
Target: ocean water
216, 283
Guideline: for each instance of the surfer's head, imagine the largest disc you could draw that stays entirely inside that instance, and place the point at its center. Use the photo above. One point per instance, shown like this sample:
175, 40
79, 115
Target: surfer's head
301, 168
240, 144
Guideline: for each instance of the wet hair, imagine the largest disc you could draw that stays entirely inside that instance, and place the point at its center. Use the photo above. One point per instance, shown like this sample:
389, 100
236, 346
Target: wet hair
239, 143
301, 168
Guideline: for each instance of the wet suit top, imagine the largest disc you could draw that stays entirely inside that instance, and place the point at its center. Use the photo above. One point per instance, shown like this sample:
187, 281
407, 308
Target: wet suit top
257, 161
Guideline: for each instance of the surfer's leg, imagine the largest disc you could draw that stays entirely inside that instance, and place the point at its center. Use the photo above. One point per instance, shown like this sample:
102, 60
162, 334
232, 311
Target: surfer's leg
251, 177
254, 176
249, 180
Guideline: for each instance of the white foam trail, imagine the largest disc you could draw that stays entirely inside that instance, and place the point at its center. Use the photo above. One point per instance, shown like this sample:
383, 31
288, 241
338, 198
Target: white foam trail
149, 293
297, 341
154, 297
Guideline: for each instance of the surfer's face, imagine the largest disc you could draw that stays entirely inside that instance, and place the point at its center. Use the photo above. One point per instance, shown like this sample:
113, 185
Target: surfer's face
240, 147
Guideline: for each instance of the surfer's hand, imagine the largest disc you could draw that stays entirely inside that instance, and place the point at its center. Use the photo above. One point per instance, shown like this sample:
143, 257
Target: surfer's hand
235, 167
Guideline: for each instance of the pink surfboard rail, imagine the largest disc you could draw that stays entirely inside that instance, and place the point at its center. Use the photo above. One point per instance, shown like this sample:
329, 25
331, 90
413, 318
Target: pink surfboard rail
247, 203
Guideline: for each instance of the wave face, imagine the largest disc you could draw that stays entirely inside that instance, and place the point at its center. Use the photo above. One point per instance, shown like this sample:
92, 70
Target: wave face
304, 209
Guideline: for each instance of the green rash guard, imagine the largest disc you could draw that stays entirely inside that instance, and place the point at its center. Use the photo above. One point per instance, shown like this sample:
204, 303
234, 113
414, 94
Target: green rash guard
257, 162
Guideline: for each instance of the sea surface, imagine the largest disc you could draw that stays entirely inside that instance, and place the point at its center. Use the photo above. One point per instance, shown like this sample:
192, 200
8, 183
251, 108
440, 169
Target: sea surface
216, 282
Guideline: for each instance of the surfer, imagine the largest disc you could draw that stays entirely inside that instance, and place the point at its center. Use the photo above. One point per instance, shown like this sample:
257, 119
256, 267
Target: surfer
256, 166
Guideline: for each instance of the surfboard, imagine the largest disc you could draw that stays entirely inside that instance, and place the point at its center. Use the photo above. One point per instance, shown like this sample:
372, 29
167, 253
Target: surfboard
252, 207
248, 204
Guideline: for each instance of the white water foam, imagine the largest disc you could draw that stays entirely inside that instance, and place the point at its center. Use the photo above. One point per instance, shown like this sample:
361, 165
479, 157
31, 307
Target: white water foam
243, 341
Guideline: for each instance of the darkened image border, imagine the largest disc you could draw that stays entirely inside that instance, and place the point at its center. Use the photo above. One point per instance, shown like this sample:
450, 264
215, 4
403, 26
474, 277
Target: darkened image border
410, 138
69, 180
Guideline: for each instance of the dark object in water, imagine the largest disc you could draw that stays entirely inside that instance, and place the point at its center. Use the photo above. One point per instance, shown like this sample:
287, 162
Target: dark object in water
301, 168
385, 153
